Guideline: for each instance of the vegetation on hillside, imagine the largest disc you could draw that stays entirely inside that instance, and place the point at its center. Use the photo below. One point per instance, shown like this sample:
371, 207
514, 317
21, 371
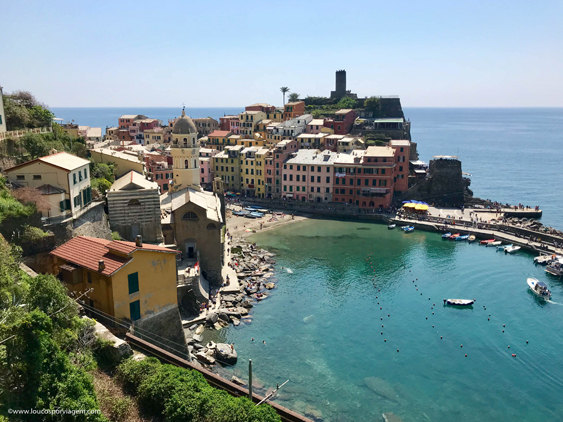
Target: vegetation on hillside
102, 176
10, 207
23, 111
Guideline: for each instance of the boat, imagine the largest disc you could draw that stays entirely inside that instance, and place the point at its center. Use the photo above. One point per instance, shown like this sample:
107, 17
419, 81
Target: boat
539, 288
391, 226
404, 227
471, 238
257, 214
555, 268
484, 242
250, 215
408, 229
495, 243
240, 213
512, 249
454, 236
446, 235
463, 237
459, 302
503, 247
545, 259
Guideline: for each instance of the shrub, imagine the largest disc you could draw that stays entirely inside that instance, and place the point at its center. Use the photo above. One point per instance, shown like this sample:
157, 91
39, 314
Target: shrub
115, 236
33, 234
101, 185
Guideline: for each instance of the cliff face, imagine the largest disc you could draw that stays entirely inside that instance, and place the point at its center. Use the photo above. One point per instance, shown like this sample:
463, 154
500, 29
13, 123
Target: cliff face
444, 185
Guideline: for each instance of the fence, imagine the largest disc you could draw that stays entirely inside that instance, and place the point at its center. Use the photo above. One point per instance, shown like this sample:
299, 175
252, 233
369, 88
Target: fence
19, 133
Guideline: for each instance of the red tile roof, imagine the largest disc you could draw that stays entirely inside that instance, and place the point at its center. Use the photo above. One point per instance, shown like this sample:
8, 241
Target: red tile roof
88, 251
219, 133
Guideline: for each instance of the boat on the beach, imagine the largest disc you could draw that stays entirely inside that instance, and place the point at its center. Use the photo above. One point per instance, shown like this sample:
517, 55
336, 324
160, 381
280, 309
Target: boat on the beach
471, 238
503, 247
408, 229
459, 302
257, 214
446, 235
454, 236
250, 215
240, 213
391, 226
539, 288
512, 249
484, 242
495, 243
462, 237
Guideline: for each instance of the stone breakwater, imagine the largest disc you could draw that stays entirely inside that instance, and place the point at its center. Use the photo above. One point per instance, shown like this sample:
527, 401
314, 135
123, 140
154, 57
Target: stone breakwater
255, 277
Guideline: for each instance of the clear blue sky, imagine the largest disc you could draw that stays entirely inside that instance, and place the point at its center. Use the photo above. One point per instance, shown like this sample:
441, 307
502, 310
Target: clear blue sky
233, 53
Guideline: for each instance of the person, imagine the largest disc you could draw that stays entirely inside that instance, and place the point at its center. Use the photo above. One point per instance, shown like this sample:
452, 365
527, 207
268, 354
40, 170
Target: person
264, 341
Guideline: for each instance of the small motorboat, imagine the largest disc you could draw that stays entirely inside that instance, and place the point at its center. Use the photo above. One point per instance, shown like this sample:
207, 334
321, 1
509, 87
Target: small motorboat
503, 247
257, 214
484, 242
512, 249
240, 213
408, 229
250, 215
462, 238
539, 288
545, 259
446, 235
495, 243
555, 268
454, 236
391, 226
459, 302
471, 238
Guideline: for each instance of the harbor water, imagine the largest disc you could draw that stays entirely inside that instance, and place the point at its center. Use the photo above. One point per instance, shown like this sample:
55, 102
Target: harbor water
353, 349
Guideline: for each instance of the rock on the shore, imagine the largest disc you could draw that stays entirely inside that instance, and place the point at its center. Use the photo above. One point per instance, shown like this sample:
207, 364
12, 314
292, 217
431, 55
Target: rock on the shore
205, 358
247, 304
211, 318
235, 321
381, 388
200, 329
270, 286
237, 380
225, 353
309, 319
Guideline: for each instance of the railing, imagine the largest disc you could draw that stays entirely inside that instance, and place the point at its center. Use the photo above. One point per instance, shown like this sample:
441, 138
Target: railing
22, 132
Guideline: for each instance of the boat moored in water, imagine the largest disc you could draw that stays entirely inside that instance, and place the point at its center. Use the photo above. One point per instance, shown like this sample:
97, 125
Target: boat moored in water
503, 247
555, 268
495, 243
462, 237
408, 229
512, 249
454, 236
539, 288
471, 238
484, 242
391, 226
446, 235
459, 302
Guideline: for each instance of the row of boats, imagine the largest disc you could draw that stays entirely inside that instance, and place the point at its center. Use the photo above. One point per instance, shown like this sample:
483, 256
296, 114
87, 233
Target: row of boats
251, 212
487, 242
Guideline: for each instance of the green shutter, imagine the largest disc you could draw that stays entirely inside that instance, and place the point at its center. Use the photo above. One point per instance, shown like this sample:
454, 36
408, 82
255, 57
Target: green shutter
135, 310
62, 205
133, 280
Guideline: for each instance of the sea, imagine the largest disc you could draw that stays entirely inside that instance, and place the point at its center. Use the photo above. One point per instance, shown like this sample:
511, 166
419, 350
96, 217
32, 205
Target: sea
357, 322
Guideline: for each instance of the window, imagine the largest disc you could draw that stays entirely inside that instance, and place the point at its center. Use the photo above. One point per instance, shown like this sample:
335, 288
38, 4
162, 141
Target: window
74, 178
382, 171
133, 282
133, 202
284, 187
327, 190
291, 177
285, 177
343, 181
211, 226
312, 189
202, 170
36, 177
304, 168
297, 178
312, 178
190, 215
318, 190
291, 188
318, 179
358, 181
337, 181
401, 149
20, 177
298, 169
89, 277
400, 168
328, 169
79, 176
135, 310
312, 168
351, 192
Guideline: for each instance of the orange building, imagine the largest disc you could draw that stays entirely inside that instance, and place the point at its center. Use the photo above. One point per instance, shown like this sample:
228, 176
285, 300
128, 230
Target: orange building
294, 109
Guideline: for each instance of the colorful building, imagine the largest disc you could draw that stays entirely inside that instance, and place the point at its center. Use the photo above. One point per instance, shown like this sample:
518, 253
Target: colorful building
218, 139
227, 123
342, 122
247, 122
248, 174
124, 161
205, 126
273, 166
261, 172
127, 280
227, 166
311, 141
184, 150
128, 119
293, 110
402, 153
206, 167
263, 107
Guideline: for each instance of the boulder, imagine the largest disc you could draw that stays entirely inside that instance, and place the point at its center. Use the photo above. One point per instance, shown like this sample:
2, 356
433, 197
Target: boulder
309, 319
211, 318
200, 329
235, 321
270, 286
197, 338
205, 358
114, 350
381, 388
242, 311
247, 304
223, 316
225, 353
237, 380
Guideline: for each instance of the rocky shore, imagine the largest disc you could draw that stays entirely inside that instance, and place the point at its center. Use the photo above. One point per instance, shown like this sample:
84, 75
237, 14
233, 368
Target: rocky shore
254, 268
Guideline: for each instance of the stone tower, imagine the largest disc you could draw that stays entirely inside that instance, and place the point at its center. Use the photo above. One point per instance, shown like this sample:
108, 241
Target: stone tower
340, 87
185, 154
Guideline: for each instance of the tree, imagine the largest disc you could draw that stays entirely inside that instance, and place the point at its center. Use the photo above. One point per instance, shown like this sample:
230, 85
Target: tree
372, 103
101, 185
284, 90
24, 111
294, 96
347, 102
27, 195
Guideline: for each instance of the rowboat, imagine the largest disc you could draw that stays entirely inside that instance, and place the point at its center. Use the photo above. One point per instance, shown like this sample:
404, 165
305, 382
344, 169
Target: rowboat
512, 249
257, 214
408, 229
391, 226
471, 238
462, 238
503, 247
539, 288
484, 242
495, 243
454, 236
459, 302
446, 235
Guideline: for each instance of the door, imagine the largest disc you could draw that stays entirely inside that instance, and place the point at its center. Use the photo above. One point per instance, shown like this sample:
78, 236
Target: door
135, 231
190, 252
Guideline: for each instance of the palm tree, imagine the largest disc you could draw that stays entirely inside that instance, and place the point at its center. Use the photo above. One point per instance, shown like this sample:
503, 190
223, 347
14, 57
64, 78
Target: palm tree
284, 90
294, 96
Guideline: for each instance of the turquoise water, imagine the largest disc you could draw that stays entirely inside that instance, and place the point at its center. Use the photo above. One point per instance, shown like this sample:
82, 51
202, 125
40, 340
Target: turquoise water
429, 379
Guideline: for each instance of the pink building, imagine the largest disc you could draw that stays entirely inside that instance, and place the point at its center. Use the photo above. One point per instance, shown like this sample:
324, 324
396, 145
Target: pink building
128, 119
266, 108
159, 169
315, 126
308, 175
343, 121
225, 122
206, 167
273, 165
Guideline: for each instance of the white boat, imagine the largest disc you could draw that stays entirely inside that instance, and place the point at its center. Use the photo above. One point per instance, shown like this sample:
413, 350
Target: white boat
512, 249
555, 268
391, 226
539, 288
446, 235
459, 302
408, 229
495, 243
471, 238
503, 247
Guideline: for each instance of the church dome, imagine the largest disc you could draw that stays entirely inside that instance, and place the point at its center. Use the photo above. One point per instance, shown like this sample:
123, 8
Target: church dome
184, 125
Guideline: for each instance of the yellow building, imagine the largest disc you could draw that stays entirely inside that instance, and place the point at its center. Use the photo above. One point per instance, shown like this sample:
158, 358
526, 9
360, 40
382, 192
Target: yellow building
128, 280
251, 142
248, 121
226, 166
219, 139
260, 172
248, 174
185, 154
124, 161
276, 116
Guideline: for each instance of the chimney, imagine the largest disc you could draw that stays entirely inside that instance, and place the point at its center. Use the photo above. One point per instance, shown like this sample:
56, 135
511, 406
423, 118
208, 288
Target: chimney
139, 241
101, 265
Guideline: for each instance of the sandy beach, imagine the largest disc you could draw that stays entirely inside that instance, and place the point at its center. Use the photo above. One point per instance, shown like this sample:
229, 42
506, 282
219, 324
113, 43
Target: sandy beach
239, 226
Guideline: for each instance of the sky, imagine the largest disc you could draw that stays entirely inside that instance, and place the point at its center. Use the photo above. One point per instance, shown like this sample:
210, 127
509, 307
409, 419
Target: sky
234, 53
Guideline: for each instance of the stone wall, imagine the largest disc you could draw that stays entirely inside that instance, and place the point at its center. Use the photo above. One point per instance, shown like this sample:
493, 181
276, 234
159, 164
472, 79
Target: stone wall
93, 223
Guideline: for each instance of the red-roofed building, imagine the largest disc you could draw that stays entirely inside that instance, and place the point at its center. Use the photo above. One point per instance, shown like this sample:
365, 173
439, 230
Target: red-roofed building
218, 139
128, 280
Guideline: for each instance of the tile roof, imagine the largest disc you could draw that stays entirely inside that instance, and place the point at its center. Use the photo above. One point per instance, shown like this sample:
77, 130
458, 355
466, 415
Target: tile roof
62, 160
132, 178
50, 190
219, 133
88, 251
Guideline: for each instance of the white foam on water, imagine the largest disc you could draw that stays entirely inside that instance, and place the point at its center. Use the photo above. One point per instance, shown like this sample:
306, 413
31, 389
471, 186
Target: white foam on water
289, 271
555, 303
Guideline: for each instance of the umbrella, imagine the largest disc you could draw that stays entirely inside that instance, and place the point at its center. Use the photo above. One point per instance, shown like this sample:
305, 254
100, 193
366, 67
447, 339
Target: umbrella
409, 205
421, 207
406, 202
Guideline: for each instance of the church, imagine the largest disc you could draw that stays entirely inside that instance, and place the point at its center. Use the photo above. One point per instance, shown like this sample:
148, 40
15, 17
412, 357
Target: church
192, 218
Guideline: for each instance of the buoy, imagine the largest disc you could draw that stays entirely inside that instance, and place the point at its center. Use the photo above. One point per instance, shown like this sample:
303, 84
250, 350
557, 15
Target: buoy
466, 355
398, 351
385, 340
382, 332
509, 347
420, 294
433, 304
440, 337
382, 326
488, 319
514, 355
432, 313
461, 345
380, 308
388, 315
426, 317
381, 318
432, 326
526, 341
503, 331
428, 298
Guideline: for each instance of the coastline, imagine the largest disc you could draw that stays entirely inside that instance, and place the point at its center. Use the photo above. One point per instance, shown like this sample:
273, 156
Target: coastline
237, 226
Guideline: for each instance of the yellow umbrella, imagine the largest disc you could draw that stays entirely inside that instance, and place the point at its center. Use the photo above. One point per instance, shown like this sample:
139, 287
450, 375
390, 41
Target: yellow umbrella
409, 205
421, 207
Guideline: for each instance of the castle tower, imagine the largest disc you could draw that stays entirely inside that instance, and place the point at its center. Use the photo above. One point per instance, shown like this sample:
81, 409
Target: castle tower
185, 154
340, 87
